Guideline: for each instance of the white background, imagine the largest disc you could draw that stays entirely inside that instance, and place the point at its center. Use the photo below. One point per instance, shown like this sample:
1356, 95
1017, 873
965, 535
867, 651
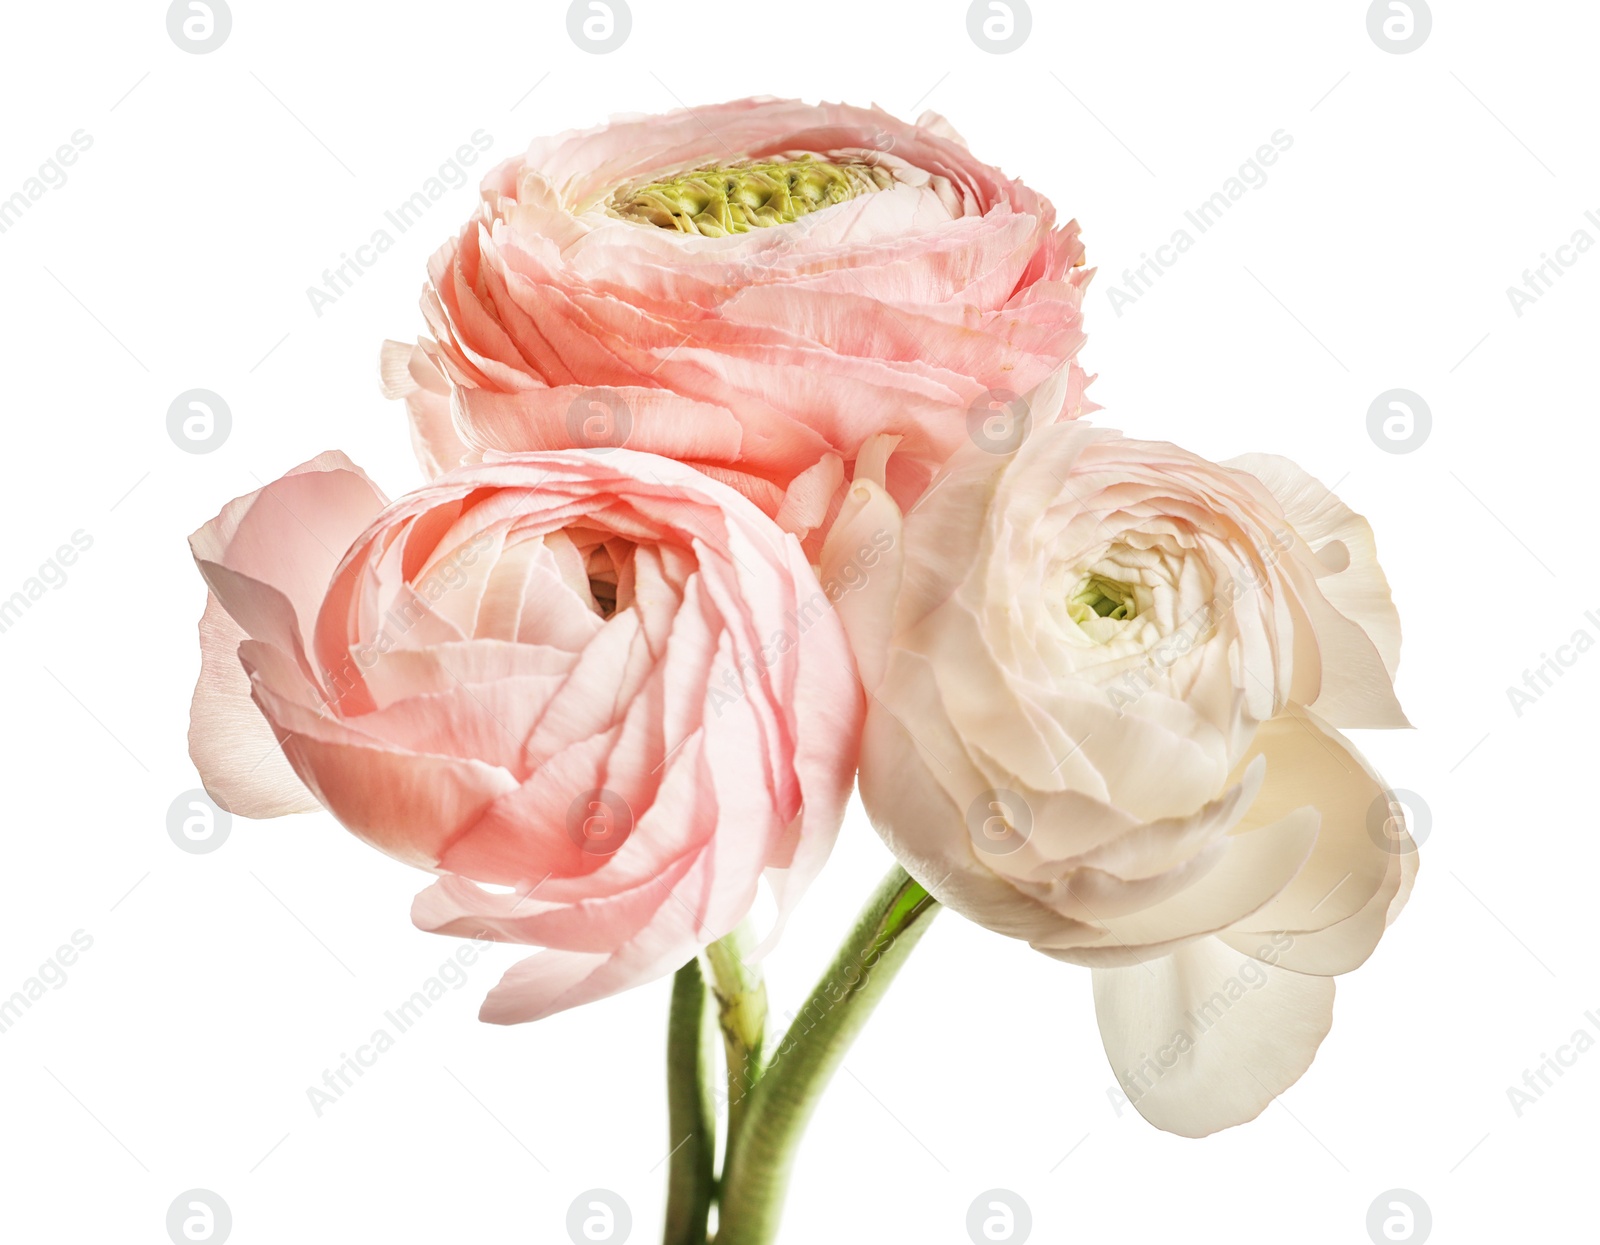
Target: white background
219, 987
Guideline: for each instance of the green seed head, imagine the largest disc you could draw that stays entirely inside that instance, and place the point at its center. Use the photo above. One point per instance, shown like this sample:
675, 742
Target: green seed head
734, 198
1102, 598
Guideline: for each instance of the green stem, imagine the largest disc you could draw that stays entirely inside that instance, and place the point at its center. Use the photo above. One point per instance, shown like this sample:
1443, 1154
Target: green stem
742, 1012
756, 1173
692, 1119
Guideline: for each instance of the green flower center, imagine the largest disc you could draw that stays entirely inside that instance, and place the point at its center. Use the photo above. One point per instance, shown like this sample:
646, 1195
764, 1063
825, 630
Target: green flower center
735, 198
1102, 598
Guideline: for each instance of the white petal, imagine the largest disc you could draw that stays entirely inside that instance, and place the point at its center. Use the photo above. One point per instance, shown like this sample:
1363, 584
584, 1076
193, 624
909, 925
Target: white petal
1258, 865
1330, 918
1205, 1038
1353, 583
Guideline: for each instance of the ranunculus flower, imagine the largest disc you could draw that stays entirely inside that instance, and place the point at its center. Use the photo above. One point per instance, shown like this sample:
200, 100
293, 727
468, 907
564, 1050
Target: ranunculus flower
754, 289
1106, 677
602, 683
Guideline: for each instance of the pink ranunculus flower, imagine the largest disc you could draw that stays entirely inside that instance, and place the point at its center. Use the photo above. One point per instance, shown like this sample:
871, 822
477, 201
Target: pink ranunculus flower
1107, 680
601, 683
754, 289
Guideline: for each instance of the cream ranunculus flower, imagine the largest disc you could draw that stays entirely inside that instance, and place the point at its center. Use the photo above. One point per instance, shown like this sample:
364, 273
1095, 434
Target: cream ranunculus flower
1107, 677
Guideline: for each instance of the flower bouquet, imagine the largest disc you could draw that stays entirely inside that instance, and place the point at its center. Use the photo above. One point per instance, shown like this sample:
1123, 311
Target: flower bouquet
758, 466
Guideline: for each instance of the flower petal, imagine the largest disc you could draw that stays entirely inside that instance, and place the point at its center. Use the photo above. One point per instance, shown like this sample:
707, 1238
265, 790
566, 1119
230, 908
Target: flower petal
233, 746
1206, 1038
